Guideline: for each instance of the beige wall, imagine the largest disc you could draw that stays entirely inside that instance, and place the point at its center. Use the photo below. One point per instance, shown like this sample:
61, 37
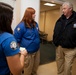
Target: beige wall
47, 22
18, 11
42, 21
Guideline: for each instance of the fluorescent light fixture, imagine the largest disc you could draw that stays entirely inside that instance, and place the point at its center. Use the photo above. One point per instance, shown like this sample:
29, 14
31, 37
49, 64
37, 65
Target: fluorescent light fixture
49, 4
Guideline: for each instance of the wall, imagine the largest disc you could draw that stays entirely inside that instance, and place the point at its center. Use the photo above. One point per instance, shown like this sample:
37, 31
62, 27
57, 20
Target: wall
17, 11
42, 21
47, 22
31, 3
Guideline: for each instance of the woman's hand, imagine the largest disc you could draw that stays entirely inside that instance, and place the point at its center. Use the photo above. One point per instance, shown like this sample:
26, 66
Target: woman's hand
23, 51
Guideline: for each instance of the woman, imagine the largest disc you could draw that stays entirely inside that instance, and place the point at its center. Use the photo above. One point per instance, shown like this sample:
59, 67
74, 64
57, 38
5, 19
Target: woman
11, 58
27, 36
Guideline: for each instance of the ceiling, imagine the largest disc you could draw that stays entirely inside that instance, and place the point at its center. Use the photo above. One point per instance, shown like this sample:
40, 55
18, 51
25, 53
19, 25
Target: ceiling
59, 2
47, 8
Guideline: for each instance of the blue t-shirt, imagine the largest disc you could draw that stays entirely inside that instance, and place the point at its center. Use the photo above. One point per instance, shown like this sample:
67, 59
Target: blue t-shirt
8, 47
27, 37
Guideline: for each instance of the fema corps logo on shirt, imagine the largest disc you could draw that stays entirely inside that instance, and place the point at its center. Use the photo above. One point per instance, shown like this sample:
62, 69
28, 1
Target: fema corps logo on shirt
13, 45
18, 29
37, 28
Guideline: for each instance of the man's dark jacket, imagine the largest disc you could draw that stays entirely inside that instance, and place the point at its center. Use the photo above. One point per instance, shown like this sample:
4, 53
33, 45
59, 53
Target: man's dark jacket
65, 31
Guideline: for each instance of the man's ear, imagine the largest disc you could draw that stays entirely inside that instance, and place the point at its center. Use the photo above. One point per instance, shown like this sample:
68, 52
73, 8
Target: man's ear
71, 9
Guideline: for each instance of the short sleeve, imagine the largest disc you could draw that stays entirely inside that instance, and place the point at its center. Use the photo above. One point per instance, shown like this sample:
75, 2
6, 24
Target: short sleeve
10, 47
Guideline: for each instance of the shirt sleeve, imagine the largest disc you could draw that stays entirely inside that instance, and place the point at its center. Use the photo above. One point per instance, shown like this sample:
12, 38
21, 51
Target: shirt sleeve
10, 47
18, 32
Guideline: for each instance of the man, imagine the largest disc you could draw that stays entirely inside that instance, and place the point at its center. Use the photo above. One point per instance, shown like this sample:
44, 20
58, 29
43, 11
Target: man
64, 38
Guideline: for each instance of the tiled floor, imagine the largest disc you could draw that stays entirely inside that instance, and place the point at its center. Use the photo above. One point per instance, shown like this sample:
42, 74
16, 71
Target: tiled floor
47, 69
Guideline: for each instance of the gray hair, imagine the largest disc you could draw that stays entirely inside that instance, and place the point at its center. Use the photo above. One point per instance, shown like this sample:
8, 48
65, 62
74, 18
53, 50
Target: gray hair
69, 4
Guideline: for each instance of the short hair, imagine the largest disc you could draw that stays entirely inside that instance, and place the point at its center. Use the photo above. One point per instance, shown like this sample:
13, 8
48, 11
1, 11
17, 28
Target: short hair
69, 4
6, 15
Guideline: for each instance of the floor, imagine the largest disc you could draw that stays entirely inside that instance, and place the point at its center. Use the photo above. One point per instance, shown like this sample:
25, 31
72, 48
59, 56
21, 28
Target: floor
51, 69
47, 69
